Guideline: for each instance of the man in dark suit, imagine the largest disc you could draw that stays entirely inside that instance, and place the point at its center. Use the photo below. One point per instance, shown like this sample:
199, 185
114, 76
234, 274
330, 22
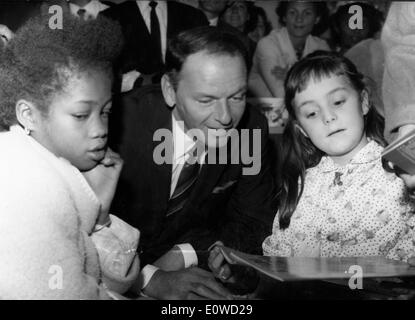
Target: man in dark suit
212, 9
229, 198
140, 53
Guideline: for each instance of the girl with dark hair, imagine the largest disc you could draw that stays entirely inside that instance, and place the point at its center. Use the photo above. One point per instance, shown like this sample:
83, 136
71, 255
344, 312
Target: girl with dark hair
278, 51
58, 178
336, 197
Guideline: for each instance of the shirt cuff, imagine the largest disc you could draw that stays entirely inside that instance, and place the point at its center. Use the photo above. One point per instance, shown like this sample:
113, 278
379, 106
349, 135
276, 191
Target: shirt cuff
146, 274
189, 254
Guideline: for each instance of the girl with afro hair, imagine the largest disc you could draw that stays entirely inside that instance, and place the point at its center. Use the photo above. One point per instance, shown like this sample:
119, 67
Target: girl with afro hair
57, 176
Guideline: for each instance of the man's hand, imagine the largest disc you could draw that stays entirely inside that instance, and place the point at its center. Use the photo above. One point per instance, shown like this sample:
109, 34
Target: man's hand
103, 180
172, 260
192, 284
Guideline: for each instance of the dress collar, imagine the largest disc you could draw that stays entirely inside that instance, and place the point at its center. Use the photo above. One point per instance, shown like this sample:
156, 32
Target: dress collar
369, 153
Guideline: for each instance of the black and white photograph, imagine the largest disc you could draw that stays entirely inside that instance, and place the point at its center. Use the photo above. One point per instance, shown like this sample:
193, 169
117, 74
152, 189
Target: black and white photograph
235, 152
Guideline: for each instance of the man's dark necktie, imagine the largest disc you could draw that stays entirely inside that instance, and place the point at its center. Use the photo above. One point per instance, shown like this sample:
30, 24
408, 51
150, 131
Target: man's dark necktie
187, 178
155, 35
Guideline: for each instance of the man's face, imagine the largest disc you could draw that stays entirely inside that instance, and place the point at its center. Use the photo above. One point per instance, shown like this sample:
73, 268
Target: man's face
213, 6
210, 95
237, 14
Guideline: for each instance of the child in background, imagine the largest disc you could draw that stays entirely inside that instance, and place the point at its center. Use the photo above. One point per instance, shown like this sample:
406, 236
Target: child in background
336, 197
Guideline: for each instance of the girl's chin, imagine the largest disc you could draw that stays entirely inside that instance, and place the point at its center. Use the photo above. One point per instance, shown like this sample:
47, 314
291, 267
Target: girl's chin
87, 165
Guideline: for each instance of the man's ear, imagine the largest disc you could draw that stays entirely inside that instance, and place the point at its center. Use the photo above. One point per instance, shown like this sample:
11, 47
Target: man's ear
317, 20
169, 93
298, 127
365, 102
26, 114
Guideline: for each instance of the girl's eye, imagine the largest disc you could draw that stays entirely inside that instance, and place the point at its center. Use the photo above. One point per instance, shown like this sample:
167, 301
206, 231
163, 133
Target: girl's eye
339, 102
80, 116
311, 115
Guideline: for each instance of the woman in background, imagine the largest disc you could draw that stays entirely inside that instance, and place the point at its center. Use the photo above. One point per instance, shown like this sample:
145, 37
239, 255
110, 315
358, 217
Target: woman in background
235, 19
278, 51
258, 25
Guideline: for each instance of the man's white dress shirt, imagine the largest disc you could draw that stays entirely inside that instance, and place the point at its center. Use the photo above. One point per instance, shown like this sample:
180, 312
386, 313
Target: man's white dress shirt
182, 144
161, 11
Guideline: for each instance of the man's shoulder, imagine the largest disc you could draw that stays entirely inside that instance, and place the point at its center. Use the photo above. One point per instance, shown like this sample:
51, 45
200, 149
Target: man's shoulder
253, 119
152, 92
187, 12
146, 103
119, 9
175, 5
109, 4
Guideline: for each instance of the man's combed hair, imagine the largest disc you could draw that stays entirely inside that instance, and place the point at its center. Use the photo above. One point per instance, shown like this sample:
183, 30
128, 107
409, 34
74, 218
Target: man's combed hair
35, 64
212, 40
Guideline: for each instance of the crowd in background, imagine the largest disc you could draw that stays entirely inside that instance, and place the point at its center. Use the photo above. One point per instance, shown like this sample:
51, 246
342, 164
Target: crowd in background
167, 62
297, 30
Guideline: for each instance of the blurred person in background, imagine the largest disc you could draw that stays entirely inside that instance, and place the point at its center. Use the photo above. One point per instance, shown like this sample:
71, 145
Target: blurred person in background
343, 37
212, 9
258, 25
278, 51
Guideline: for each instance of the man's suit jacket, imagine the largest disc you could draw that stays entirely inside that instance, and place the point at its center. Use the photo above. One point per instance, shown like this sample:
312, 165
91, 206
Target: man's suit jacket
137, 53
223, 205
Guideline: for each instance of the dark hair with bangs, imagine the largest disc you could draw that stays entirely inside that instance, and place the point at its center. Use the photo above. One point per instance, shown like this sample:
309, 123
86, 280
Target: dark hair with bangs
298, 152
35, 63
212, 40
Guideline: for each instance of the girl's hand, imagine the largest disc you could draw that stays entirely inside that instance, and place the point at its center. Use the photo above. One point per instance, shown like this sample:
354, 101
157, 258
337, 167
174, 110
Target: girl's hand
103, 180
238, 279
219, 266
408, 179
